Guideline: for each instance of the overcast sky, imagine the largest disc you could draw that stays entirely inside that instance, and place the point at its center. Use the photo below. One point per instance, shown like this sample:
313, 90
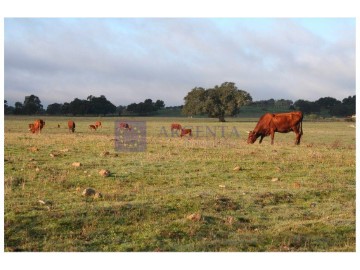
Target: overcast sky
129, 60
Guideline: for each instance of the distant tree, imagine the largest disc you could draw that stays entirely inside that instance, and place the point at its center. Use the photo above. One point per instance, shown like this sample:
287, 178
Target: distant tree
78, 106
65, 108
132, 107
306, 106
100, 105
144, 108
54, 109
220, 101
195, 101
327, 102
18, 108
159, 104
32, 105
346, 108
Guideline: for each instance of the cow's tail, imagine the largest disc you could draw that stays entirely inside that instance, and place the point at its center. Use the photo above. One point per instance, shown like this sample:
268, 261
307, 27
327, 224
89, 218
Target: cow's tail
301, 130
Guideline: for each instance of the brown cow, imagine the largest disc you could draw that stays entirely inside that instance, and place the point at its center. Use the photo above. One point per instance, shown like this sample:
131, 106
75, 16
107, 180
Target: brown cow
270, 123
125, 126
37, 126
92, 127
98, 124
175, 126
185, 131
71, 126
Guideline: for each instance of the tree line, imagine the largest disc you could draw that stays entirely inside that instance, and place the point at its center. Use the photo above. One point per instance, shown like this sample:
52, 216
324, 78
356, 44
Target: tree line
92, 105
219, 102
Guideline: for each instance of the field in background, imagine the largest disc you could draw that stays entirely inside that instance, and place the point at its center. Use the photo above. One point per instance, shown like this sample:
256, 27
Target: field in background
181, 194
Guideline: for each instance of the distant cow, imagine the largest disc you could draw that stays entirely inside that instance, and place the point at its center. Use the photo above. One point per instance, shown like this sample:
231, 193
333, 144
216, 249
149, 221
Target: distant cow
175, 126
37, 126
98, 124
92, 127
58, 125
71, 126
270, 123
31, 127
125, 126
185, 131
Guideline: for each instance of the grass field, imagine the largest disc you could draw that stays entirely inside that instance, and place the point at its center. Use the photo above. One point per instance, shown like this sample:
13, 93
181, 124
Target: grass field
180, 194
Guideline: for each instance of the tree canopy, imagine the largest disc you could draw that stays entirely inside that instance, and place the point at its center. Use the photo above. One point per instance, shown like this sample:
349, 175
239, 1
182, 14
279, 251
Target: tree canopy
146, 107
220, 101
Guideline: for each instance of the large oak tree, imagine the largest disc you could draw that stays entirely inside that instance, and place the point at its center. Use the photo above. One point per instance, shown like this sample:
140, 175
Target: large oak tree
220, 101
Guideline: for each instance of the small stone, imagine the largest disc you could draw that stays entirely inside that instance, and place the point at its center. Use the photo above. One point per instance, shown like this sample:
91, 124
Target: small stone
222, 186
274, 179
194, 217
229, 220
104, 154
104, 173
98, 195
237, 168
76, 164
34, 149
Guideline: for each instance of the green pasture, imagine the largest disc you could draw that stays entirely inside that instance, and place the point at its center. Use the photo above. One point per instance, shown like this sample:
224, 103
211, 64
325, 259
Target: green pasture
211, 192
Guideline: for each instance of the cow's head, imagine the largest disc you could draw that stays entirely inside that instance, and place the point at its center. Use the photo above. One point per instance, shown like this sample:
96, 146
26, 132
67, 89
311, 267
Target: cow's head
252, 137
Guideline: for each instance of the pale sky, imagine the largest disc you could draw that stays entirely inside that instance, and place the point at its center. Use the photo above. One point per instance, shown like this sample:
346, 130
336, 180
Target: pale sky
132, 59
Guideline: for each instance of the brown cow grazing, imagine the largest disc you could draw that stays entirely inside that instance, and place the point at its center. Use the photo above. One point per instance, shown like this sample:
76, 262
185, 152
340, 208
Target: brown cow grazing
125, 126
31, 127
71, 126
185, 131
175, 126
98, 124
92, 127
270, 123
37, 126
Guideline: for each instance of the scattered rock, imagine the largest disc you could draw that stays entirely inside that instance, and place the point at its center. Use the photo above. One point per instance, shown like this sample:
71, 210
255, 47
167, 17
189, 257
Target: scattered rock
237, 168
88, 192
222, 186
37, 170
275, 179
76, 164
229, 220
64, 150
194, 217
45, 202
98, 195
104, 173
32, 159
104, 154
297, 185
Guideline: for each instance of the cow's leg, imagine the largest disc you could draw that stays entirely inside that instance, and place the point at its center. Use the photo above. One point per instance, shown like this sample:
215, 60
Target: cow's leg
298, 135
272, 137
261, 138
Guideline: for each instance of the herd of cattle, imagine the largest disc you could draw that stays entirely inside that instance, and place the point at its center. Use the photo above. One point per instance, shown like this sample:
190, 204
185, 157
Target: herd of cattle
267, 125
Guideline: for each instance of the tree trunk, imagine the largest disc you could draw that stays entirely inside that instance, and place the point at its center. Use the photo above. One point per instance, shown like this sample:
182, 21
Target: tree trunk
221, 118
